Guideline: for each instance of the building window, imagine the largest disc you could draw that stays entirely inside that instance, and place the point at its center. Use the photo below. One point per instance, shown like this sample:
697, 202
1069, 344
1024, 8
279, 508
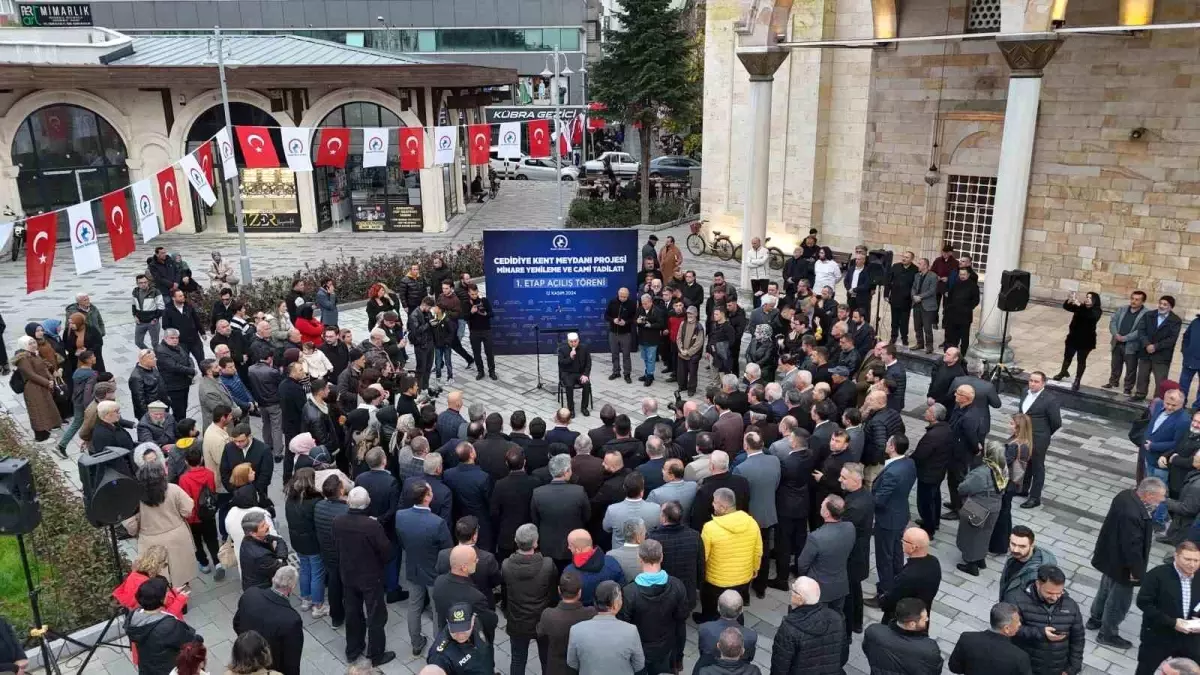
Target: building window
970, 202
983, 16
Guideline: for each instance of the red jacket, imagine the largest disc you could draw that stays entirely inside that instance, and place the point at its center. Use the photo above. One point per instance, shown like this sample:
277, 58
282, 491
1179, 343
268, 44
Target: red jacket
191, 481
126, 594
311, 330
673, 324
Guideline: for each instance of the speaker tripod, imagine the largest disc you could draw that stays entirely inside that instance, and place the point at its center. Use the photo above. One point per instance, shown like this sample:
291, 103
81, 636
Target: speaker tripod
1001, 372
118, 570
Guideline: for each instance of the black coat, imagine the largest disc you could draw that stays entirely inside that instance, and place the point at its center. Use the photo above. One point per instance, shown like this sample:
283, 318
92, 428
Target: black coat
158, 641
882, 425
363, 549
1162, 337
291, 406
531, 584
146, 387
1123, 545
941, 377
620, 310
656, 611
175, 366
632, 450
302, 525
272, 616
259, 456
1048, 658
860, 510
472, 490
683, 555
511, 504
1161, 600
645, 430
489, 455
891, 650
324, 513
702, 508
187, 322
320, 425
1081, 334
451, 589
555, 628
650, 325
933, 452
260, 560
795, 478
988, 653
105, 435
722, 667
557, 509
385, 498
919, 578
808, 641
571, 368
970, 425
961, 300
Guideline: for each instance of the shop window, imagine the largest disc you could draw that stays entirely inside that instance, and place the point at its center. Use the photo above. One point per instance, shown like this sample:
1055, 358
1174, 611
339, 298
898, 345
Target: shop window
64, 155
427, 41
970, 203
983, 16
355, 39
376, 199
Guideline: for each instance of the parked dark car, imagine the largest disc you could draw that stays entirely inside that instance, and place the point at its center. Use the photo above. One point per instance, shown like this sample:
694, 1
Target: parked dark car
672, 166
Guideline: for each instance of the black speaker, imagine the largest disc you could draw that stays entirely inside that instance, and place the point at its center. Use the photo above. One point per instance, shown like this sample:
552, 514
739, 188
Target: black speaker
110, 491
1014, 291
20, 510
879, 262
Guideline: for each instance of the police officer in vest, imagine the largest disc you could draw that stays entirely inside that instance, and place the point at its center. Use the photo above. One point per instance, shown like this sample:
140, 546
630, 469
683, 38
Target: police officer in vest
461, 648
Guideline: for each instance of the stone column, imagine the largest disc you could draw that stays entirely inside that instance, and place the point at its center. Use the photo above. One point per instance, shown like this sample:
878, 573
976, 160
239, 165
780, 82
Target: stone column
761, 63
1026, 56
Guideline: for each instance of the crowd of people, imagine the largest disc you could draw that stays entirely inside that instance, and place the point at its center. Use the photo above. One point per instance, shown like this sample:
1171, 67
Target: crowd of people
598, 546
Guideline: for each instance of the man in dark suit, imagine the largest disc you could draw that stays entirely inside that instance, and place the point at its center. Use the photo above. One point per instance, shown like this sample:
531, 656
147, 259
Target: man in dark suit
860, 511
605, 432
512, 499
945, 371
472, 489
896, 376
363, 552
557, 509
384, 490
824, 414
267, 611
456, 586
1160, 331
920, 577
826, 553
1042, 409
587, 469
729, 427
932, 456
492, 450
421, 534
1161, 599
561, 433
991, 652
575, 370
970, 431
986, 396
443, 499
890, 490
1168, 427
693, 424
1121, 555
486, 575
650, 413
718, 477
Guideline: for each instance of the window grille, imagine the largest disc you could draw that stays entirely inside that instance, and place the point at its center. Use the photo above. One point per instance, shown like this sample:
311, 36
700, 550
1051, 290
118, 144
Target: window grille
983, 16
970, 202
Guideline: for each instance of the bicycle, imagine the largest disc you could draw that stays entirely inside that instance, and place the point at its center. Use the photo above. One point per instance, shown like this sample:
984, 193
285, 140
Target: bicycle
775, 257
721, 245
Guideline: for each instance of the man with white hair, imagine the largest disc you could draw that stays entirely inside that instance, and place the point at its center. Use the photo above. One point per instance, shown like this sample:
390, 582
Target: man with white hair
650, 411
767, 313
718, 477
810, 634
364, 551
774, 394
268, 612
752, 376
558, 509
575, 370
83, 305
729, 610
754, 260
650, 320
619, 315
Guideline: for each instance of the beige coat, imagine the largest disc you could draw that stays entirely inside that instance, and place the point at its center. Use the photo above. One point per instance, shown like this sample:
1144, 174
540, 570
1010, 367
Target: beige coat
215, 440
669, 260
166, 525
39, 392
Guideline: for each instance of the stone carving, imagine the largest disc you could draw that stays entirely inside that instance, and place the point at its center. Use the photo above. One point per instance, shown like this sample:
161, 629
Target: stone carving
1028, 56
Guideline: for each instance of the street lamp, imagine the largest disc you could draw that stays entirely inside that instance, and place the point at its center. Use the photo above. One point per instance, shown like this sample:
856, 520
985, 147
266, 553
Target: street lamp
236, 185
559, 127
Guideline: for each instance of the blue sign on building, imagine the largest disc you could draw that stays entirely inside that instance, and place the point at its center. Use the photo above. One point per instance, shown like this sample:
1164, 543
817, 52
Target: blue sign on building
542, 282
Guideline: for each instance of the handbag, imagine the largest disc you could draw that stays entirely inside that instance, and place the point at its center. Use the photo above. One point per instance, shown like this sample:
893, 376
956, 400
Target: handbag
62, 400
226, 555
976, 513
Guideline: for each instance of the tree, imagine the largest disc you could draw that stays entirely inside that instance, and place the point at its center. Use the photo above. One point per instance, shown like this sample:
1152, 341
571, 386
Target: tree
643, 74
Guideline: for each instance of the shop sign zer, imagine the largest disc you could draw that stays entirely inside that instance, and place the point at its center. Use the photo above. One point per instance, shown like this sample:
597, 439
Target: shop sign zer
54, 15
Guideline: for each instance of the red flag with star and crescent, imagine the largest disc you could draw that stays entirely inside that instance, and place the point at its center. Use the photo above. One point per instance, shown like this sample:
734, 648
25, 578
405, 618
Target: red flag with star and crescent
168, 196
334, 148
412, 148
120, 225
257, 147
204, 156
480, 136
40, 238
539, 138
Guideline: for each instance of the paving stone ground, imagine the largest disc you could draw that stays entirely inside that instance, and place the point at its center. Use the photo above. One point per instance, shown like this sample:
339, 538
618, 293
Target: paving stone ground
1090, 459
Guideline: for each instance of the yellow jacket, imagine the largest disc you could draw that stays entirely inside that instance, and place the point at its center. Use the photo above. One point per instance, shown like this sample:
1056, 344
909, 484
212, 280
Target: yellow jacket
732, 549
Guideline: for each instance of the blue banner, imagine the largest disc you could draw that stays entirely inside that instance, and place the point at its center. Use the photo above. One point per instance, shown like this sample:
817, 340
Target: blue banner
543, 282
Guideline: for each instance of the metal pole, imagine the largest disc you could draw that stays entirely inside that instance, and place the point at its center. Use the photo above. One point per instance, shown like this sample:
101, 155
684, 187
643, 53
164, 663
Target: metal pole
558, 139
235, 185
584, 111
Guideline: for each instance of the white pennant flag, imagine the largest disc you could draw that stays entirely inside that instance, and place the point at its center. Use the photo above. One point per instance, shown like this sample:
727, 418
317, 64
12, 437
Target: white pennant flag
375, 147
225, 148
296, 147
147, 213
6, 230
84, 242
564, 137
510, 140
195, 175
445, 140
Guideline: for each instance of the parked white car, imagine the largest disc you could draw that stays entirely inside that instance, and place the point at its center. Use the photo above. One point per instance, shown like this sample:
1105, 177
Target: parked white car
623, 164
527, 168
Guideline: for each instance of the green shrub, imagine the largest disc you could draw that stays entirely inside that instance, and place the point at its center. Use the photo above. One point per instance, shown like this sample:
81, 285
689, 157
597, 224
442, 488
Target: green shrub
593, 213
71, 560
351, 277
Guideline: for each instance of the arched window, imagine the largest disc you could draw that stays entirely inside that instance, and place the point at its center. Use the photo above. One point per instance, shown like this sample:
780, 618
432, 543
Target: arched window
374, 199
66, 154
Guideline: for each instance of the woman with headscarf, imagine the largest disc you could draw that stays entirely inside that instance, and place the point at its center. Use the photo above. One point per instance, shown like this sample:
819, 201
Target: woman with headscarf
981, 492
826, 271
763, 351
48, 346
39, 388
77, 337
1081, 335
162, 520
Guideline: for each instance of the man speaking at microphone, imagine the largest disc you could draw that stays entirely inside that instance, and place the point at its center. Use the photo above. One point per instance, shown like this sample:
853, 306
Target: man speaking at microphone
575, 370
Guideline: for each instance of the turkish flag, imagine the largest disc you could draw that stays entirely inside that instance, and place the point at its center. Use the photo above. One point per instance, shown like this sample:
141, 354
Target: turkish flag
120, 225
538, 132
168, 195
479, 136
204, 156
412, 148
333, 148
257, 147
40, 238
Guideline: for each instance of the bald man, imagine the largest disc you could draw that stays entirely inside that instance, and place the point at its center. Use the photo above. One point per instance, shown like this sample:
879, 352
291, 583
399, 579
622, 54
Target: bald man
456, 586
619, 316
451, 419
970, 424
575, 370
592, 565
920, 577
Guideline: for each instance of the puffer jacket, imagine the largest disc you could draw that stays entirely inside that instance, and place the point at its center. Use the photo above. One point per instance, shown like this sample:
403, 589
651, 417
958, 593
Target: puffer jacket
1045, 656
301, 521
891, 650
323, 514
531, 582
882, 425
732, 549
809, 641
145, 387
158, 434
656, 609
420, 333
158, 638
411, 291
597, 568
1010, 582
175, 364
147, 305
